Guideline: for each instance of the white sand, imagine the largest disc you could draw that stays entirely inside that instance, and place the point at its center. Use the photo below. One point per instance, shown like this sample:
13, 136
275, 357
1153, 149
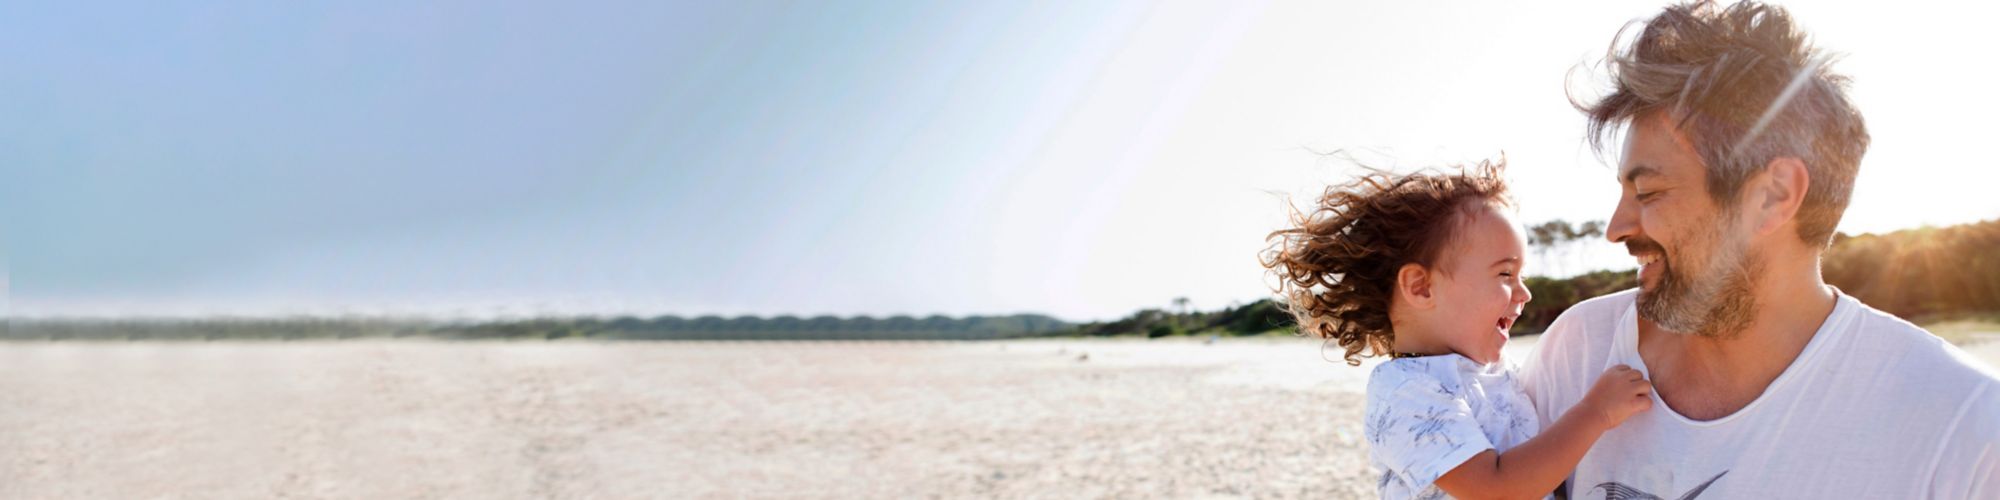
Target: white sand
387, 419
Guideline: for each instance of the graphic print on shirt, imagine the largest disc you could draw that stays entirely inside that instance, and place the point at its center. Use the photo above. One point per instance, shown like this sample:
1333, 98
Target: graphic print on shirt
1431, 428
1518, 419
1614, 490
1378, 424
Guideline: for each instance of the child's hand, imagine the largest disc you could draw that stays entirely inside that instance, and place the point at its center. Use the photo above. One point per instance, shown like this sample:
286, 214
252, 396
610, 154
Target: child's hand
1619, 393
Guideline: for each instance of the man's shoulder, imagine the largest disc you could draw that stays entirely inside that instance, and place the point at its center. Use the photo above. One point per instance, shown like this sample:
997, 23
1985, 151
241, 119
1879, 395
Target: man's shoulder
1574, 348
1921, 354
1941, 385
1928, 367
1612, 304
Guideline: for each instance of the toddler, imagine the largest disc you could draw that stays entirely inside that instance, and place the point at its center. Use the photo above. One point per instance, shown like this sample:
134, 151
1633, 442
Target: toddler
1426, 269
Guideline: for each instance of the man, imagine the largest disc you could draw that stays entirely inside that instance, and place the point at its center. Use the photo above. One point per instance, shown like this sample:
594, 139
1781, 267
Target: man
1739, 154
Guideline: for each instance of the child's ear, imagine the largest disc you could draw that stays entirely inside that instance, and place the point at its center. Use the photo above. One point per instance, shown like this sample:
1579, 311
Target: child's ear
1413, 283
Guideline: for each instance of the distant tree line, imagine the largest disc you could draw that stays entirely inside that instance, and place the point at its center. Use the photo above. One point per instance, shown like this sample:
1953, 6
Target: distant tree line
214, 328
1552, 296
1250, 319
1917, 273
620, 328
1564, 240
1912, 273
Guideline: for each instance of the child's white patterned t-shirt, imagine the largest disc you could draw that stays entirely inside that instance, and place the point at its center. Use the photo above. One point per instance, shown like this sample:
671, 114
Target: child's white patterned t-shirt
1427, 415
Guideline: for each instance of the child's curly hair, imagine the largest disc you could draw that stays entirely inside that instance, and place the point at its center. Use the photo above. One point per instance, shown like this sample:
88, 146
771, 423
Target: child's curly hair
1337, 265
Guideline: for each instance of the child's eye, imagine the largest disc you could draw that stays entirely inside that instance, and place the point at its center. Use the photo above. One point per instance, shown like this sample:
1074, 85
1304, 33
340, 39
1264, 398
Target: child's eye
1506, 275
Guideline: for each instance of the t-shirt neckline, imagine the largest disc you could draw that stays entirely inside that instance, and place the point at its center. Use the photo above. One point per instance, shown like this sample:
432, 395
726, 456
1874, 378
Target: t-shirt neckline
1457, 362
1626, 345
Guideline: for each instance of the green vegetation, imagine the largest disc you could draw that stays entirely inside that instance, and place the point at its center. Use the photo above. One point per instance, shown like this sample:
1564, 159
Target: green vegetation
1552, 296
1263, 316
1919, 273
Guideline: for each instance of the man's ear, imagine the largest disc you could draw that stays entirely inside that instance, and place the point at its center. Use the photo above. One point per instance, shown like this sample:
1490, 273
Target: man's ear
1776, 194
1413, 284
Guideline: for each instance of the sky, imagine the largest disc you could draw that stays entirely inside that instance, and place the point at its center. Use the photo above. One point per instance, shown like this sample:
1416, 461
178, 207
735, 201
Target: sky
1079, 159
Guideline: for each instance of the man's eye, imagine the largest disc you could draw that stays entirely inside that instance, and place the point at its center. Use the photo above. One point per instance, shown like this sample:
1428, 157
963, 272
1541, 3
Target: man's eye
1647, 195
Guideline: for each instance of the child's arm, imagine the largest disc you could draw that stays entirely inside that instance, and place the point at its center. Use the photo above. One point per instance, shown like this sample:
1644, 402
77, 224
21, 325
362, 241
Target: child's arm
1536, 467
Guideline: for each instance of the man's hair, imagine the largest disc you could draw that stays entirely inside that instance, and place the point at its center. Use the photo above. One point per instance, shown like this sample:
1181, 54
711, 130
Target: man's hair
1746, 87
1337, 264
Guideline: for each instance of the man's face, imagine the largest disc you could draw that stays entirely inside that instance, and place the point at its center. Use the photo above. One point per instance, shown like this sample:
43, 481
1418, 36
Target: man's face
1696, 269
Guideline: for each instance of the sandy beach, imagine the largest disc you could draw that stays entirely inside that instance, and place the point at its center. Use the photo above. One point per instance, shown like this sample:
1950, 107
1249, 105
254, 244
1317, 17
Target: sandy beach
423, 419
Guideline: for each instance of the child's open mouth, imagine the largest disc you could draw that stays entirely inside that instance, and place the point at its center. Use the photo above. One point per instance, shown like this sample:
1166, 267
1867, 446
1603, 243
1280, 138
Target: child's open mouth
1505, 323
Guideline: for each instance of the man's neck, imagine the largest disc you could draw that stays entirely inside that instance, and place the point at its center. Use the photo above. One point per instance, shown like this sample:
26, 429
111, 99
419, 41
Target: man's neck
1706, 378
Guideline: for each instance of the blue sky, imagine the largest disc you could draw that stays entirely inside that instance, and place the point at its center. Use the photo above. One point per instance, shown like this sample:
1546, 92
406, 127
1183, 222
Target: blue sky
1083, 159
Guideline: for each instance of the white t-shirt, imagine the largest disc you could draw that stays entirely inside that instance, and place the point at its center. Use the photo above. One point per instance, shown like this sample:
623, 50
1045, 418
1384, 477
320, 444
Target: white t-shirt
1874, 407
1427, 415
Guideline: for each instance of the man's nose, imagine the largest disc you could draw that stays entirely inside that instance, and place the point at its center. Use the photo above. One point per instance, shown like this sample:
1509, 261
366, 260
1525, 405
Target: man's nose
1624, 220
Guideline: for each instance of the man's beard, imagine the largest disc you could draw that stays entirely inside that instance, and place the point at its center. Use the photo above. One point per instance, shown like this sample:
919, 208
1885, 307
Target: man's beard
1715, 300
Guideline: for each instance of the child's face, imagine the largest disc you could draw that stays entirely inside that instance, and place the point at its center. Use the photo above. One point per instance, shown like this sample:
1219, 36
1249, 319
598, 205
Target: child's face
1480, 293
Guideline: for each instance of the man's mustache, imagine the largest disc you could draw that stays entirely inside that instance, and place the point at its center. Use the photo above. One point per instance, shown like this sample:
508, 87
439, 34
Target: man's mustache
1644, 246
